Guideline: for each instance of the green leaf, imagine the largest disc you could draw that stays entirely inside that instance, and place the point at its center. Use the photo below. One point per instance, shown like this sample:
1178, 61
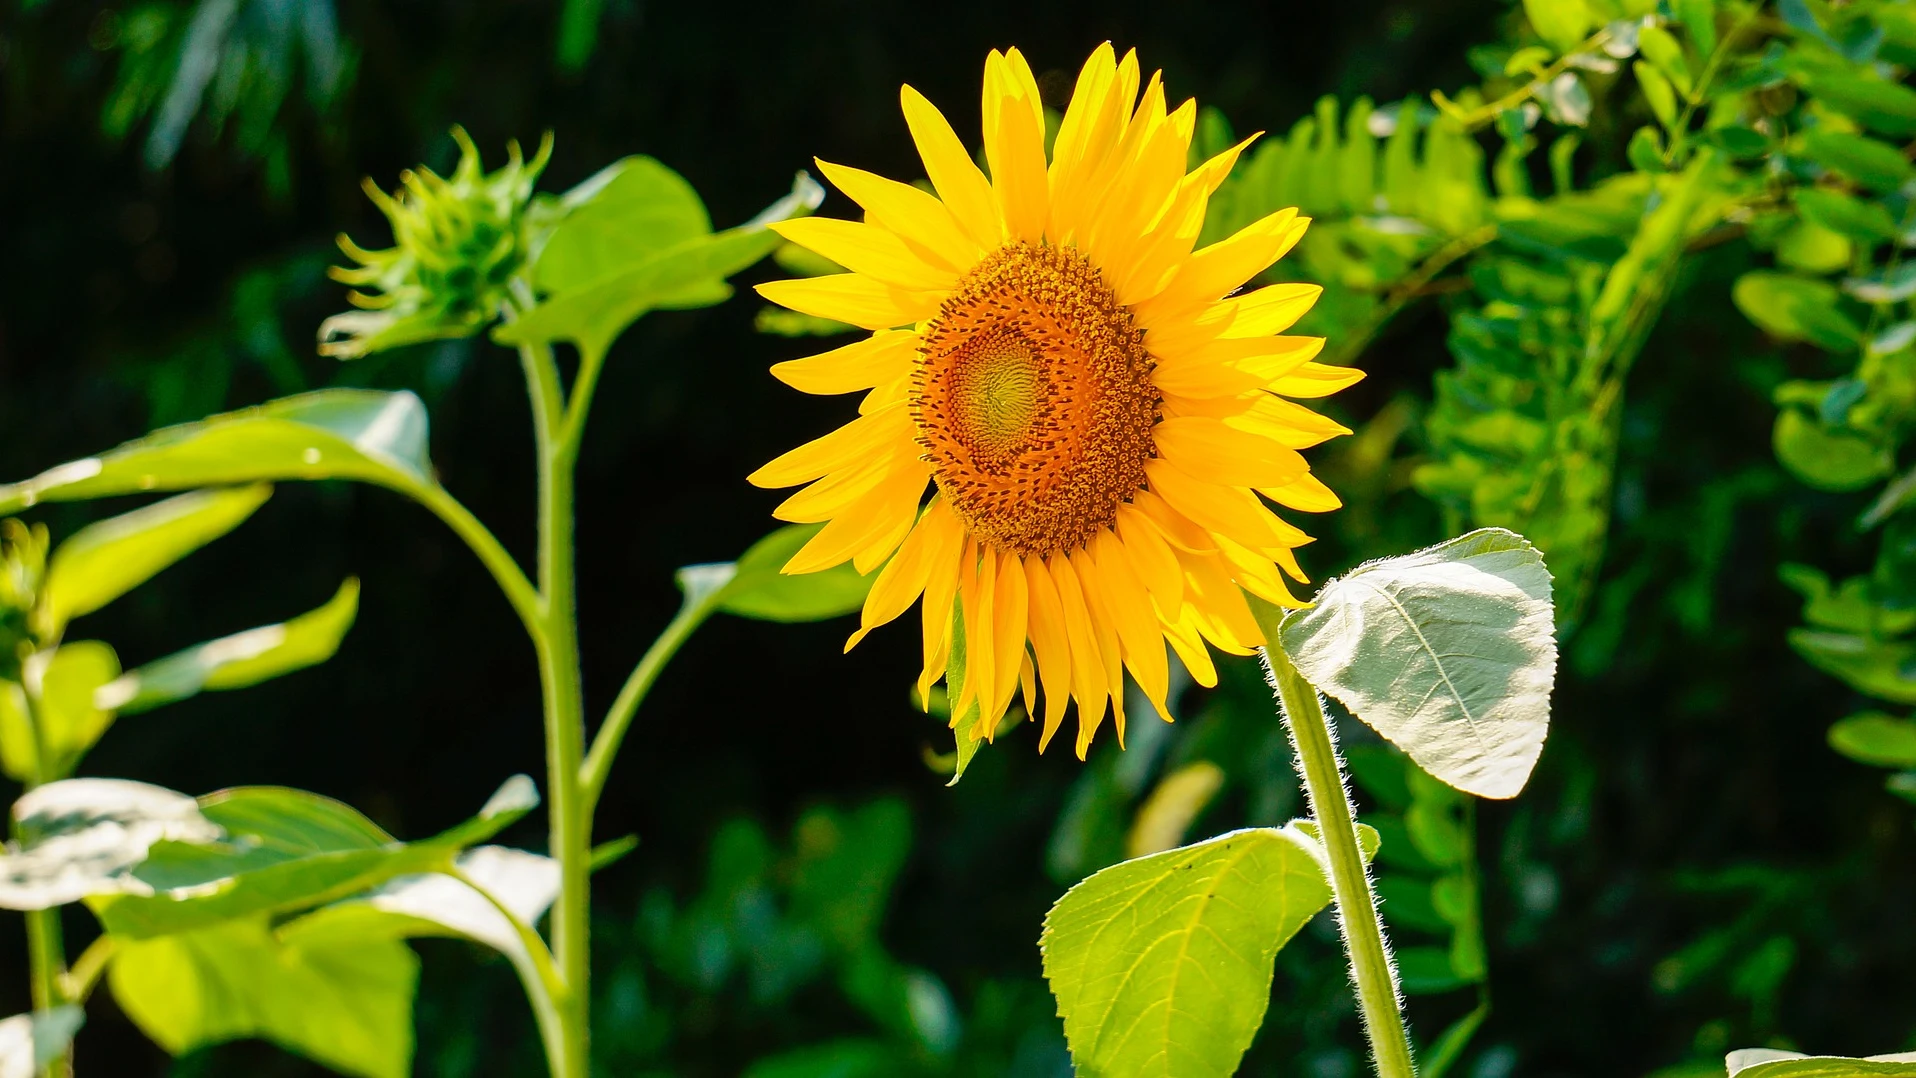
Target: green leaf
846, 1058
1562, 23
760, 589
1793, 308
83, 837
330, 434
104, 561
433, 904
1877, 739
1699, 18
1162, 965
1868, 222
630, 212
689, 273
1876, 165
1870, 666
964, 728
239, 660
344, 1003
1658, 92
280, 850
1885, 107
1450, 653
28, 1042
64, 683
1770, 1063
1824, 458
1660, 47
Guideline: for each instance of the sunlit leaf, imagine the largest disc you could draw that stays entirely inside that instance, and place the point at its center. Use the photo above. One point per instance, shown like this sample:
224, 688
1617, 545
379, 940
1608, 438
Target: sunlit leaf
1560, 22
1450, 653
1771, 1063
330, 434
628, 213
104, 561
1876, 165
1875, 738
29, 1042
689, 273
1824, 458
345, 1003
1885, 107
759, 589
83, 837
1860, 220
236, 661
1162, 965
63, 684
1871, 666
1795, 308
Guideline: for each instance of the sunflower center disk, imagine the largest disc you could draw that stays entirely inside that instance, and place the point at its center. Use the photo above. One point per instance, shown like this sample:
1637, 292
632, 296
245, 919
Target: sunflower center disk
1034, 400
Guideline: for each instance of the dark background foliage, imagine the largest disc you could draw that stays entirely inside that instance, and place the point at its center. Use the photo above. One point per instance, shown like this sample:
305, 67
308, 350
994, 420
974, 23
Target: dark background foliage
1686, 817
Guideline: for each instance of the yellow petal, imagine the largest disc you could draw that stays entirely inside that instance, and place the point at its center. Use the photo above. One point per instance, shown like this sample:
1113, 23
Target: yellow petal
1306, 493
1231, 512
941, 590
879, 358
855, 441
1010, 616
977, 583
1177, 529
1051, 643
1087, 668
1086, 133
903, 579
868, 249
1316, 380
1137, 625
1014, 147
1104, 626
1151, 555
1211, 450
1271, 309
832, 495
919, 219
1289, 423
1223, 266
964, 189
1258, 575
879, 519
1191, 651
854, 298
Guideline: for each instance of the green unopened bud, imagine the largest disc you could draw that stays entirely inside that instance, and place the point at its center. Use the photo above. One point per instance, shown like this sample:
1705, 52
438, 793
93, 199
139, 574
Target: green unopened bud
23, 566
457, 243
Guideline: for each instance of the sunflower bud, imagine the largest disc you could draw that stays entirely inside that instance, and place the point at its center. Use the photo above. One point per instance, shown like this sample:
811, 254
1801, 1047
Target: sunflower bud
457, 242
23, 566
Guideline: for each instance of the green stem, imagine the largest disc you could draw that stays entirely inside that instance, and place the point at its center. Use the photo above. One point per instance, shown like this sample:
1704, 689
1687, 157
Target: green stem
88, 968
570, 833
605, 744
544, 986
1371, 969
505, 570
46, 949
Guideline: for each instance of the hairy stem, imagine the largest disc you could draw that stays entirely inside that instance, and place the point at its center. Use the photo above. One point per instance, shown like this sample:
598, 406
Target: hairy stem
46, 949
570, 833
1323, 770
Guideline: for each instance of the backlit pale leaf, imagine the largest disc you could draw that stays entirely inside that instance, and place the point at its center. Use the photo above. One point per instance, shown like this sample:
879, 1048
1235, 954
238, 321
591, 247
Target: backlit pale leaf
757, 589
1771, 1063
1450, 653
29, 1042
83, 837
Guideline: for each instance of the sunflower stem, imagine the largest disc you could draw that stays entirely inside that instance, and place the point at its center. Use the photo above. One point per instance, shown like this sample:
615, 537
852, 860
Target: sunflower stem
46, 949
557, 643
1372, 973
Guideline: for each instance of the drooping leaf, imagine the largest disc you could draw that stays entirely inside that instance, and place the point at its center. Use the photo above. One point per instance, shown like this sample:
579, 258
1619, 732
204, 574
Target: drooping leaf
234, 662
358, 434
63, 684
343, 1002
1826, 458
83, 837
1162, 965
435, 904
759, 589
28, 1042
1876, 739
104, 561
591, 311
1450, 653
1771, 1063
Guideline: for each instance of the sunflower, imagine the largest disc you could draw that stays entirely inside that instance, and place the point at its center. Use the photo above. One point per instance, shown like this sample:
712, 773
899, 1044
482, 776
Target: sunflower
1100, 418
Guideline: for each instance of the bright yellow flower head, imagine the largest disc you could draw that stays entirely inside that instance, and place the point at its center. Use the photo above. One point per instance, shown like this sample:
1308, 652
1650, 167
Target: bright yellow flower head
1097, 413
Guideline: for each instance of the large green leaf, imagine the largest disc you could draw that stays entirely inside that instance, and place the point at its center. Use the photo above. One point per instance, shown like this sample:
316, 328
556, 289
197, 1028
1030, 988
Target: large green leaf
1450, 653
282, 850
604, 291
1770, 1063
29, 1042
64, 684
628, 213
345, 1003
759, 589
1874, 738
234, 662
330, 434
83, 837
1162, 965
104, 561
